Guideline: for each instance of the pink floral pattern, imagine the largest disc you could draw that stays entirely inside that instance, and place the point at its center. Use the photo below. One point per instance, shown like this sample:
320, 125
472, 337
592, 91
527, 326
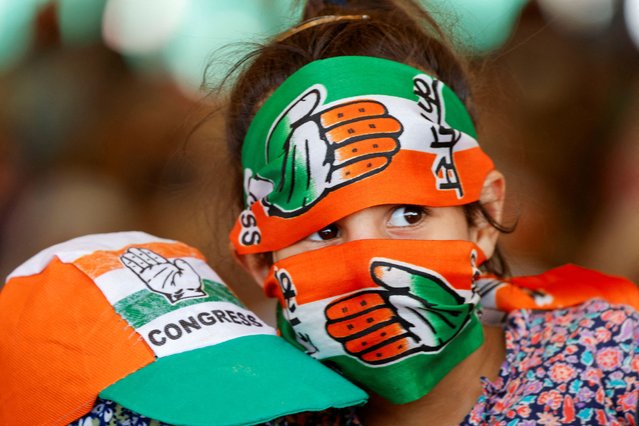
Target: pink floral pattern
578, 365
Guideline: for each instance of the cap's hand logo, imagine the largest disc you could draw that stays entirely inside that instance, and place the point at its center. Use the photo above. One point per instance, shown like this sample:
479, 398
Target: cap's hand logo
175, 280
326, 149
415, 311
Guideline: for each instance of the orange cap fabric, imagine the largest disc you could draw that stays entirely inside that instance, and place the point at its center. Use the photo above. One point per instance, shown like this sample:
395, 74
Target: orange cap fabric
57, 357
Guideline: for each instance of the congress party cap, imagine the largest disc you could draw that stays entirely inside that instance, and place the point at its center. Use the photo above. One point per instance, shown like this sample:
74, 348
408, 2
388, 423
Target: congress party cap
145, 322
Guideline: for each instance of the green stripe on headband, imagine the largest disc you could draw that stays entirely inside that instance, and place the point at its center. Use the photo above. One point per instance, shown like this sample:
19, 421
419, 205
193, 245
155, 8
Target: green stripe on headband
344, 77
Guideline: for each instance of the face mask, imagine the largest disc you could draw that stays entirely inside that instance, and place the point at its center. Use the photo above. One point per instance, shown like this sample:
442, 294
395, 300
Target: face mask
395, 316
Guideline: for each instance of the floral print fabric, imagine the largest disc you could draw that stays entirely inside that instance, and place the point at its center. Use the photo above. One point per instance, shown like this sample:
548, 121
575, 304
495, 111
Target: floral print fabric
578, 365
108, 413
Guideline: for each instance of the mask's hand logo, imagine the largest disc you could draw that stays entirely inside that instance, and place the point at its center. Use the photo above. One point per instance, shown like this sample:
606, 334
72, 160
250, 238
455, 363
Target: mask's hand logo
415, 311
175, 280
323, 150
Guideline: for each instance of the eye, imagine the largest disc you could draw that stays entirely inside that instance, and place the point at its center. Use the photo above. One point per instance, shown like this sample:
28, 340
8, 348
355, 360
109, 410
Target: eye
328, 233
407, 216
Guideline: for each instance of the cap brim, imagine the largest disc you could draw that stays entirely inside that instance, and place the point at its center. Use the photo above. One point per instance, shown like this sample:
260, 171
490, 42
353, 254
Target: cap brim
247, 380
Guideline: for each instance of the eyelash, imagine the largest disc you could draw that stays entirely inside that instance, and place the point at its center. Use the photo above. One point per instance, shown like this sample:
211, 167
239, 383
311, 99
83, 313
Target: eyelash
330, 228
333, 231
411, 210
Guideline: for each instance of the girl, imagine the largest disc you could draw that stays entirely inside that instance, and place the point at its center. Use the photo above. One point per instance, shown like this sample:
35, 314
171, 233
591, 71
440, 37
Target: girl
369, 208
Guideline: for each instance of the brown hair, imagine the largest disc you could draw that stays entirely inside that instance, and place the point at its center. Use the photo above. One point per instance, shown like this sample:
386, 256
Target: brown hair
397, 30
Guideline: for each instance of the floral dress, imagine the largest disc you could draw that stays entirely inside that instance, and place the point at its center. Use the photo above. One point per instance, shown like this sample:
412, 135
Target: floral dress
578, 365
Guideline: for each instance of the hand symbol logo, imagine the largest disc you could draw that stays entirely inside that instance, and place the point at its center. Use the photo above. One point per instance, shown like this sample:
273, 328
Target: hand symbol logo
175, 280
327, 149
415, 311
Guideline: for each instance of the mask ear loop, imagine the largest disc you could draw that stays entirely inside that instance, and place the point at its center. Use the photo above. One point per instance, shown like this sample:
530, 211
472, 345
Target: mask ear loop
320, 20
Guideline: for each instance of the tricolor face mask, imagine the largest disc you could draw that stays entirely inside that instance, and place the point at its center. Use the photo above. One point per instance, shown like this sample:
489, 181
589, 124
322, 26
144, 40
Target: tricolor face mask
338, 136
395, 316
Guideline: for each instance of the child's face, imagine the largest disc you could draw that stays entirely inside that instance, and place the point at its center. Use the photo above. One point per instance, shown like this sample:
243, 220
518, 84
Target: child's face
388, 222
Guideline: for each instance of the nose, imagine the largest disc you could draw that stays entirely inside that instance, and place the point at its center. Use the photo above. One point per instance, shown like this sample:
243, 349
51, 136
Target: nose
365, 224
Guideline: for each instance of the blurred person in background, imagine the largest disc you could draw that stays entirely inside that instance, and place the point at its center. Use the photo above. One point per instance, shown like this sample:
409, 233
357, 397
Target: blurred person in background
613, 243
554, 97
99, 146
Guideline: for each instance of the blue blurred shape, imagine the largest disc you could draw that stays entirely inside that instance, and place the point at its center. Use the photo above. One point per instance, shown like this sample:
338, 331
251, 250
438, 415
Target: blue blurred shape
16, 30
80, 21
216, 34
477, 26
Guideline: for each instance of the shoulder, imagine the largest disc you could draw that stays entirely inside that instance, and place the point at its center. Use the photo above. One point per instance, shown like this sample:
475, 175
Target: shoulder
595, 329
580, 362
621, 323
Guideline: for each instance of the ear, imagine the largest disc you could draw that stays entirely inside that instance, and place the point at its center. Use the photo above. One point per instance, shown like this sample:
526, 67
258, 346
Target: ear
492, 198
253, 264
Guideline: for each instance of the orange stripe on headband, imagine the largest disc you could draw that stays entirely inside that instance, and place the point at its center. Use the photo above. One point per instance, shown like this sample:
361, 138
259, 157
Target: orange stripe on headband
346, 133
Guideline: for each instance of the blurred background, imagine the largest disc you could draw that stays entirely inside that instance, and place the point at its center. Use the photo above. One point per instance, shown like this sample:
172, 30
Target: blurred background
108, 122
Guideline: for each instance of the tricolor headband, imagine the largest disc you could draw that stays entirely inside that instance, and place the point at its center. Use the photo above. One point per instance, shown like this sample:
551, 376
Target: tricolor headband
350, 132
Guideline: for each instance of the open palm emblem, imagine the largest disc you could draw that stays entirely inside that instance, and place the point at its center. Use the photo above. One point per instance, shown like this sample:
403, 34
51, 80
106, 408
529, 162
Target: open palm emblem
176, 280
324, 148
413, 310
